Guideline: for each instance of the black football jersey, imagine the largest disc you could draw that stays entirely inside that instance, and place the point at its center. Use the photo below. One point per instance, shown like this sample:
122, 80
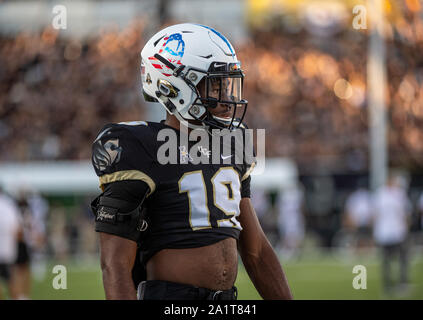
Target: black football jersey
189, 204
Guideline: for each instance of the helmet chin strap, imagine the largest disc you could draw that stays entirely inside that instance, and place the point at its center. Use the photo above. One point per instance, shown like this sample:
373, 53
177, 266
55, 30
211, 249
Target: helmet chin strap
225, 121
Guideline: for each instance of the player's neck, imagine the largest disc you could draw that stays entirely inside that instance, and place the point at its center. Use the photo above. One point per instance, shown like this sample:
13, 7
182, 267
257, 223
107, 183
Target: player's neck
172, 121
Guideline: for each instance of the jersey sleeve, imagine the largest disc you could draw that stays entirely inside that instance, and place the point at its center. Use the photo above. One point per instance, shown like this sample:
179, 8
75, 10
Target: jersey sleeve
250, 160
245, 188
118, 155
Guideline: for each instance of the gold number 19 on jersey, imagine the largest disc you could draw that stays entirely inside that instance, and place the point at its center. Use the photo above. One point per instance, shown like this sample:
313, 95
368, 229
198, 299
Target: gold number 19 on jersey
226, 197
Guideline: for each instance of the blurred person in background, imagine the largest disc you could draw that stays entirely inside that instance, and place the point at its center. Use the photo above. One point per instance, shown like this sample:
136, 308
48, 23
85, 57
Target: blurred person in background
391, 219
10, 231
420, 210
22, 267
39, 208
261, 201
290, 221
58, 234
358, 216
33, 209
88, 241
267, 213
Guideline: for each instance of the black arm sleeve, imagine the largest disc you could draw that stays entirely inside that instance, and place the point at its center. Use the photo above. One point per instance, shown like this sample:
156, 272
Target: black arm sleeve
128, 195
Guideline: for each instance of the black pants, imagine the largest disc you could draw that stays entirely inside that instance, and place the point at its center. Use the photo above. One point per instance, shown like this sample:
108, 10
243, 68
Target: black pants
23, 253
165, 290
389, 253
5, 271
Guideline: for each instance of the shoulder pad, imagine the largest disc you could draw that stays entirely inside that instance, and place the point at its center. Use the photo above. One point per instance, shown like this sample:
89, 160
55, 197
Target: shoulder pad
134, 123
119, 145
121, 126
144, 131
124, 152
126, 130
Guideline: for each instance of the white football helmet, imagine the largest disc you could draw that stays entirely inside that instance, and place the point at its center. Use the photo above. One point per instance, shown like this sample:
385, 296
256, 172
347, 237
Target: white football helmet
179, 58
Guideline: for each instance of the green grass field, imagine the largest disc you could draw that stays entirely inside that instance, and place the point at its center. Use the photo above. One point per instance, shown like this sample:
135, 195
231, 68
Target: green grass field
319, 277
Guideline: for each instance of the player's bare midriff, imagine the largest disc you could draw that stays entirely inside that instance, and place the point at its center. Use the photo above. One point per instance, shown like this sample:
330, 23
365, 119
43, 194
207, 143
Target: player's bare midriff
213, 267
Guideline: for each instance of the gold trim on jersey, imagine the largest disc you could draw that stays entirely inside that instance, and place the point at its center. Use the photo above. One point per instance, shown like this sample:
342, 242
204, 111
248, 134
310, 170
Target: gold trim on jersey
247, 173
128, 175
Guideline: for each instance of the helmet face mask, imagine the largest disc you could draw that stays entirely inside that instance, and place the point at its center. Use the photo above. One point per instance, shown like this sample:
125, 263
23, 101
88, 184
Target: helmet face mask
200, 66
219, 95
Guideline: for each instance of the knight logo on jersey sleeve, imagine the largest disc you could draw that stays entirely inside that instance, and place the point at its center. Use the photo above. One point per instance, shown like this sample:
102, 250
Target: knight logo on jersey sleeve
106, 154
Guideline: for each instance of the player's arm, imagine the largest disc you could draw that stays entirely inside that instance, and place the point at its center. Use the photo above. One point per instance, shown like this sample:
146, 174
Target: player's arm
117, 159
117, 259
259, 258
118, 221
257, 254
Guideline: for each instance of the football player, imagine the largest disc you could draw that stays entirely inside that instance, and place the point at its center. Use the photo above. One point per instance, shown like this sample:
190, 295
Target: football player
174, 230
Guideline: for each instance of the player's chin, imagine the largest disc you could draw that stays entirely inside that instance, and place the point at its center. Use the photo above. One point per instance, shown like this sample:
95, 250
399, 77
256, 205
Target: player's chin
225, 114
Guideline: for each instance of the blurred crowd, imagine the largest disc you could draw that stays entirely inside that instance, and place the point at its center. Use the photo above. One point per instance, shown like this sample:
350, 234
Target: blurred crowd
55, 94
307, 91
